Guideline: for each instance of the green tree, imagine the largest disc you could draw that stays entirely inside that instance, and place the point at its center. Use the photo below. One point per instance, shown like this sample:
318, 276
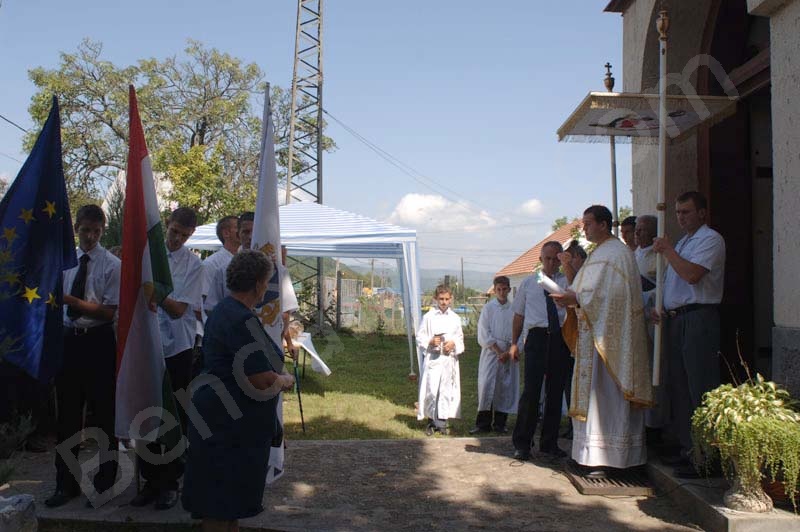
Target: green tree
201, 113
559, 223
624, 212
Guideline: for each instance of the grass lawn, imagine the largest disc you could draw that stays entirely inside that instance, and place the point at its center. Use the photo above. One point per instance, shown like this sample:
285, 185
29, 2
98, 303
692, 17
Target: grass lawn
368, 394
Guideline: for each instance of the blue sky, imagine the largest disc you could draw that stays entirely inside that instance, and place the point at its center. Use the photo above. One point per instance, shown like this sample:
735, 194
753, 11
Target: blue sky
469, 93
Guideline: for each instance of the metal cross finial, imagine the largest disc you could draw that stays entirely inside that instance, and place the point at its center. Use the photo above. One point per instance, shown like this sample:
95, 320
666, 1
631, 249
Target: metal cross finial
609, 79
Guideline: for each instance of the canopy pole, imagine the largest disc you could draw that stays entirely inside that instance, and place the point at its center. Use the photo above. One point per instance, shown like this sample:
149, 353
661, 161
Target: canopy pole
614, 207
609, 83
662, 24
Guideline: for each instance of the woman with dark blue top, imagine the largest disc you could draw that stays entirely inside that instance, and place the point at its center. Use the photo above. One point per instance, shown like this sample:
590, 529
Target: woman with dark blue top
235, 418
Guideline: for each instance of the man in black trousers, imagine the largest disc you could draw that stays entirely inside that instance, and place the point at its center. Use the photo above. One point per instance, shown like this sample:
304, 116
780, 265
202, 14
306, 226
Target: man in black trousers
88, 373
545, 354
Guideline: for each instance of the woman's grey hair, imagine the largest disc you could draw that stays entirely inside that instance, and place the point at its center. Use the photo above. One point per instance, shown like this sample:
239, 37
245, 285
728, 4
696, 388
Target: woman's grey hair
247, 268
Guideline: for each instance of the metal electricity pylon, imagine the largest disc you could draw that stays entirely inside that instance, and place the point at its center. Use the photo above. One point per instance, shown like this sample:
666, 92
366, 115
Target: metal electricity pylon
304, 168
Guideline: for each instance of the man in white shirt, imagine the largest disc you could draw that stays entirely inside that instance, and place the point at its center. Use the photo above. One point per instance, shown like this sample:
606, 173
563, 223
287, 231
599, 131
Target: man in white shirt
289, 303
498, 375
88, 371
646, 231
177, 324
657, 417
537, 316
228, 234
693, 287
627, 232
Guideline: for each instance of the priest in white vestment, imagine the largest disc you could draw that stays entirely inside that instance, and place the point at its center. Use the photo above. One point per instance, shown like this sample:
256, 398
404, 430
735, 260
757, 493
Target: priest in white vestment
440, 341
498, 373
611, 385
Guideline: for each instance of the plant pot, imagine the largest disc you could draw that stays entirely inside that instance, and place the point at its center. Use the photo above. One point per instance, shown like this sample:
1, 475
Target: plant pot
746, 500
776, 490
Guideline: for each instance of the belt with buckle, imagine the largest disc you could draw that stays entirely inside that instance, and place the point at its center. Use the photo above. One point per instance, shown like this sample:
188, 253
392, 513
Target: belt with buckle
80, 331
539, 330
689, 308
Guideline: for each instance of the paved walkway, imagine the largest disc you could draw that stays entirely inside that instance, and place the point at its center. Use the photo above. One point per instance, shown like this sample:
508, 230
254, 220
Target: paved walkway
438, 483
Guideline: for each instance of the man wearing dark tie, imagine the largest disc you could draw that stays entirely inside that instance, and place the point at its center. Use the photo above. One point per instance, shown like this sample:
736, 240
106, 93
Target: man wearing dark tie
545, 353
88, 372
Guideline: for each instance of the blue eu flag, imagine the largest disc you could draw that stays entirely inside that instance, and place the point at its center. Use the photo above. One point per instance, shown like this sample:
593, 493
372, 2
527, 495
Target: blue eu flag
36, 245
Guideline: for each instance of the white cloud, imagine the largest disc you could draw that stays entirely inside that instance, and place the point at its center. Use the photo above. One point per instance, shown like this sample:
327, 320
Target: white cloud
532, 207
431, 212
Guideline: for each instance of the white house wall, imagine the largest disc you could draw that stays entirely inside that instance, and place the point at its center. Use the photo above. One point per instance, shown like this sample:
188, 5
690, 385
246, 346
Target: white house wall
785, 68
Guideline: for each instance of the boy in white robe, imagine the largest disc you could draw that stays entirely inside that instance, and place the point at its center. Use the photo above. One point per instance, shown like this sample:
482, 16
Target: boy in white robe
498, 374
440, 341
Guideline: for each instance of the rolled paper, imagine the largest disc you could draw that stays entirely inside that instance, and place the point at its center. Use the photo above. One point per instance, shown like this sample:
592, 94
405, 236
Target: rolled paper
548, 284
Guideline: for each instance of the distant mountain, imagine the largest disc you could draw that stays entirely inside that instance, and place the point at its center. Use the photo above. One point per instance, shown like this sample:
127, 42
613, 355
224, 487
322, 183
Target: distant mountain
429, 278
472, 279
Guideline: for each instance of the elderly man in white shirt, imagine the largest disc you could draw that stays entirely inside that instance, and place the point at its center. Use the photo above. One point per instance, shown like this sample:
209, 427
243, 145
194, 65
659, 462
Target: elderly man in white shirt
177, 324
693, 287
537, 316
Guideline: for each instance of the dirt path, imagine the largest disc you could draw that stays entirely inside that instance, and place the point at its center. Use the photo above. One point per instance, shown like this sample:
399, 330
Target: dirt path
439, 483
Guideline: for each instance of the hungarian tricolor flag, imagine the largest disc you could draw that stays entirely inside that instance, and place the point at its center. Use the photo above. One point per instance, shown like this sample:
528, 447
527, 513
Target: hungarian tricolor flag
142, 387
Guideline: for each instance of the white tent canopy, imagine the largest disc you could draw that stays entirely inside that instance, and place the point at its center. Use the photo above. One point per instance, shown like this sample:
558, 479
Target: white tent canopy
314, 230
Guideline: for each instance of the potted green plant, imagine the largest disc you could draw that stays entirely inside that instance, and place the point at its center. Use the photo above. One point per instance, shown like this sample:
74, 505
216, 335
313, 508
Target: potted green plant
755, 431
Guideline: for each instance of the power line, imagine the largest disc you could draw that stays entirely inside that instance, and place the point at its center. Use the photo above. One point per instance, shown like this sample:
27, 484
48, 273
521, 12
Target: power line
14, 124
10, 157
409, 170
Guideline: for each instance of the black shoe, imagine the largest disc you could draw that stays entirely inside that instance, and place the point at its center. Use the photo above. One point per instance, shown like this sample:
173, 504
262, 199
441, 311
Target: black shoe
144, 497
501, 430
60, 498
555, 452
429, 430
478, 430
166, 499
522, 456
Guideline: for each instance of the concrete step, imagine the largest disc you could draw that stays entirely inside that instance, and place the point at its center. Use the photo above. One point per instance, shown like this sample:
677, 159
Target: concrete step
702, 501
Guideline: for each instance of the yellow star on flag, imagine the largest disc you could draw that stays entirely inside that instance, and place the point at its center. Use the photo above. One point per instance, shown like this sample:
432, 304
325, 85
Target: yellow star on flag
11, 278
10, 234
30, 294
27, 215
50, 208
52, 301
5, 256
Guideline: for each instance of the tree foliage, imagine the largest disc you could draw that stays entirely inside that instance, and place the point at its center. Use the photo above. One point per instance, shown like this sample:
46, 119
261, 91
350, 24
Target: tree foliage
559, 223
201, 113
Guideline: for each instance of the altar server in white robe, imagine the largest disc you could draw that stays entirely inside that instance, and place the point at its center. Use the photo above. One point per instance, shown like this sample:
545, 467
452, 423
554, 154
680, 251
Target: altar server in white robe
498, 373
440, 341
611, 385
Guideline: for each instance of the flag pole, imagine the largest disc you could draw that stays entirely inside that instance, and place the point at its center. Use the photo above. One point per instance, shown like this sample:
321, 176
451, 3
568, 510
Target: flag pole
662, 24
609, 83
299, 397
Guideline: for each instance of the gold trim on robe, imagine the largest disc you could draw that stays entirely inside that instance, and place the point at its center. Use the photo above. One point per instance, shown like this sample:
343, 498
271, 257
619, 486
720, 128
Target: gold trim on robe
611, 321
